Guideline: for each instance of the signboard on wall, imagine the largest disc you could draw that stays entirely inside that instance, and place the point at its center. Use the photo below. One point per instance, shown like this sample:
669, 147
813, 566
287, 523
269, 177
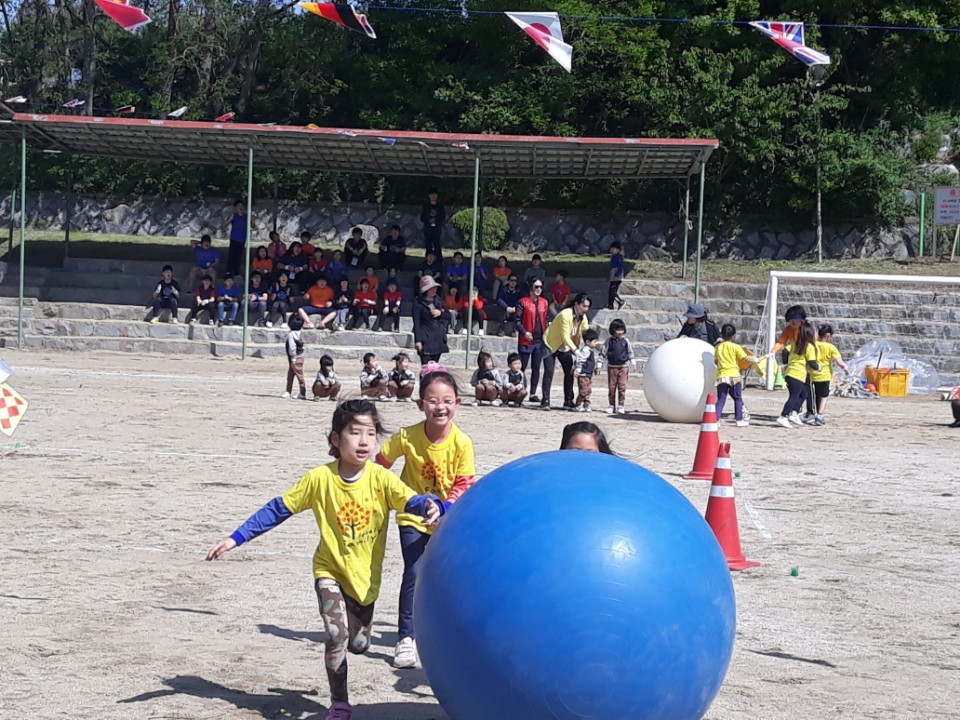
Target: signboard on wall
946, 207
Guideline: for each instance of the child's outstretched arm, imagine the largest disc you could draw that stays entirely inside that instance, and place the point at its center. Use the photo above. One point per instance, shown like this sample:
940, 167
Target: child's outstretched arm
264, 519
428, 507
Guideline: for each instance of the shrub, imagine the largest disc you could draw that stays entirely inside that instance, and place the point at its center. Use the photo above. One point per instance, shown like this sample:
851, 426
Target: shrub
493, 233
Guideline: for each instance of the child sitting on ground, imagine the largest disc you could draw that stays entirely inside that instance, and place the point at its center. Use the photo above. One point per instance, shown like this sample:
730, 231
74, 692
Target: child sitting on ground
584, 368
401, 380
326, 385
514, 390
392, 302
486, 381
731, 359
373, 378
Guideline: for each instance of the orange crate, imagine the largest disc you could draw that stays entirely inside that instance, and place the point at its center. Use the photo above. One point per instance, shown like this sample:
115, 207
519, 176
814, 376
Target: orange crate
890, 382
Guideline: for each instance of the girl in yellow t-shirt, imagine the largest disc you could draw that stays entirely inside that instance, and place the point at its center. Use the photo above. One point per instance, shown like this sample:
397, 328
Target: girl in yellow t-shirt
827, 356
731, 359
802, 358
351, 500
438, 459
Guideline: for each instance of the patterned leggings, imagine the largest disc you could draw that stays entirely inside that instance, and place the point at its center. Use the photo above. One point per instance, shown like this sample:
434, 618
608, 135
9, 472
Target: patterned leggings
348, 623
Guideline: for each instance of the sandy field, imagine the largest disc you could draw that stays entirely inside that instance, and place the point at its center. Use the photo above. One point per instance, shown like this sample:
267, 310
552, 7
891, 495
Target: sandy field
126, 469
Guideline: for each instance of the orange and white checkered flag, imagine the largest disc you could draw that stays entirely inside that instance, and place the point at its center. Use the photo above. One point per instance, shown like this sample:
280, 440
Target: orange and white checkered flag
12, 408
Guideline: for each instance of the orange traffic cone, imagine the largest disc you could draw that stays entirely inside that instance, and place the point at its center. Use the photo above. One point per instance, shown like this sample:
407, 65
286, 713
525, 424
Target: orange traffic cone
721, 513
707, 444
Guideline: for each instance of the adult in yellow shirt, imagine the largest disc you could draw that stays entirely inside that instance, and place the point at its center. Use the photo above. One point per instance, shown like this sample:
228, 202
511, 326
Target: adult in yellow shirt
827, 355
562, 339
801, 360
351, 499
438, 459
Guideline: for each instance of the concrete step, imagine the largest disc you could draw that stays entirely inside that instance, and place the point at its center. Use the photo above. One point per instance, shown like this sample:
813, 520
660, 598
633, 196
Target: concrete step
145, 268
10, 290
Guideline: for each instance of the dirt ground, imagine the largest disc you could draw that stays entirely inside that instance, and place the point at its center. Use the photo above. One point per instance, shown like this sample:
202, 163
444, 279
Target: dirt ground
126, 469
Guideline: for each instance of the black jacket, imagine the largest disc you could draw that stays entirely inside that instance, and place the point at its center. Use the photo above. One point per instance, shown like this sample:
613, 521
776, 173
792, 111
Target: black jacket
706, 331
428, 330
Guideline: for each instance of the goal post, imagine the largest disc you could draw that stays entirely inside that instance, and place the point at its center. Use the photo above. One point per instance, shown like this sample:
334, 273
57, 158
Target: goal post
922, 312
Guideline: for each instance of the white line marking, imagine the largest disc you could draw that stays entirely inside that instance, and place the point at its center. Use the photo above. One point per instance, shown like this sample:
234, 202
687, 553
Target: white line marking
755, 516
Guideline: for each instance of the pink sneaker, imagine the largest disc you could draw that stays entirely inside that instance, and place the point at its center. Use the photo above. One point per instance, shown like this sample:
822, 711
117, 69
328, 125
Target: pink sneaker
340, 711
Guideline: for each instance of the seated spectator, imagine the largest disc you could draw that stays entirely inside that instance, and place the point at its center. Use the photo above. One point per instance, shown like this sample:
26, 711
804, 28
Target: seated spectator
336, 268
276, 248
166, 295
479, 317
326, 385
456, 308
393, 250
343, 304
559, 292
320, 299
370, 275
293, 262
392, 301
364, 305
204, 300
355, 250
281, 301
373, 378
508, 304
318, 264
228, 302
257, 297
401, 381
306, 246
501, 273
205, 257
457, 273
262, 264
536, 271
431, 266
481, 273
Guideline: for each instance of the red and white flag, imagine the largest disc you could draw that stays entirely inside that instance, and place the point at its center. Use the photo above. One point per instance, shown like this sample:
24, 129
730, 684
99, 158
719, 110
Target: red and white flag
12, 408
226, 117
127, 16
545, 30
127, 110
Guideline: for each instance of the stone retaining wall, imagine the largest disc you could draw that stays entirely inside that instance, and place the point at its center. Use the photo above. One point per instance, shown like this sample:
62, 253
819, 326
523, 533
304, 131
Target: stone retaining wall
650, 236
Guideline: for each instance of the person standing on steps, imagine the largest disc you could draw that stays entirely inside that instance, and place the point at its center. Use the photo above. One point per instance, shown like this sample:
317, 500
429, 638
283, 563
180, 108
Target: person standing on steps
238, 238
433, 216
561, 341
429, 322
616, 276
699, 326
531, 322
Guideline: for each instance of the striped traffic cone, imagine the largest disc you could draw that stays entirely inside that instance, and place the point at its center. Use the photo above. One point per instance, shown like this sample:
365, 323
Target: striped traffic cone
707, 444
721, 513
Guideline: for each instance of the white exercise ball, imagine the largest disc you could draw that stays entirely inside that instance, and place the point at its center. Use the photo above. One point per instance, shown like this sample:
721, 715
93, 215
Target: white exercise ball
677, 378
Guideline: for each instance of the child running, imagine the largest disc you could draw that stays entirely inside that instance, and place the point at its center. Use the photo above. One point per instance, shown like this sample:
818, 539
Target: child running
618, 353
730, 359
585, 436
401, 380
439, 457
351, 499
373, 378
294, 346
827, 355
514, 389
802, 358
326, 386
486, 381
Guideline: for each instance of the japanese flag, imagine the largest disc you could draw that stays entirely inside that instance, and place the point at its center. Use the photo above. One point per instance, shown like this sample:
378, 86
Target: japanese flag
545, 30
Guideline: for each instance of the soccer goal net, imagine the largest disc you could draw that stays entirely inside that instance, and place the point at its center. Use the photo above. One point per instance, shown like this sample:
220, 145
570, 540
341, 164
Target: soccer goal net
920, 313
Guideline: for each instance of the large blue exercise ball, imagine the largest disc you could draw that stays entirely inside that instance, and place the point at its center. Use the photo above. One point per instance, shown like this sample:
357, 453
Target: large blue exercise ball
572, 585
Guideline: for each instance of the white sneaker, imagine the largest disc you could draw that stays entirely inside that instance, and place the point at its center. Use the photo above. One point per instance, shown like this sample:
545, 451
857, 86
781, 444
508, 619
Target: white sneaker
174, 321
463, 332
610, 410
268, 323
384, 398
284, 326
621, 410
405, 654
475, 403
782, 421
795, 419
809, 418
479, 332
743, 423
496, 403
286, 396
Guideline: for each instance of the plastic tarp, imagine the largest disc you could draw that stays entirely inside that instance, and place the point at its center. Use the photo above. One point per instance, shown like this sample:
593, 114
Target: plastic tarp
924, 378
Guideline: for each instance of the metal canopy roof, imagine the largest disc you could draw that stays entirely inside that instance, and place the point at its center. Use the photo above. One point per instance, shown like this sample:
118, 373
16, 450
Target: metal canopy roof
383, 152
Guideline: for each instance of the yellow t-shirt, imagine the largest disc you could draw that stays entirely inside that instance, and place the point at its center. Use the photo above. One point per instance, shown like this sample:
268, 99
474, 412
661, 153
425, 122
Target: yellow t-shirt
797, 364
826, 354
728, 356
353, 519
428, 468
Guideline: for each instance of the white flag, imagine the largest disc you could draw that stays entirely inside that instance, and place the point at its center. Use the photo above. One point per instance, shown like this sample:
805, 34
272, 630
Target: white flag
18, 100
178, 113
545, 30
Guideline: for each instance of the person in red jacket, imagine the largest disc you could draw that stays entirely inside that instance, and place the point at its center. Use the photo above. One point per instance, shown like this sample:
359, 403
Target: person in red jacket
531, 325
392, 300
364, 305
